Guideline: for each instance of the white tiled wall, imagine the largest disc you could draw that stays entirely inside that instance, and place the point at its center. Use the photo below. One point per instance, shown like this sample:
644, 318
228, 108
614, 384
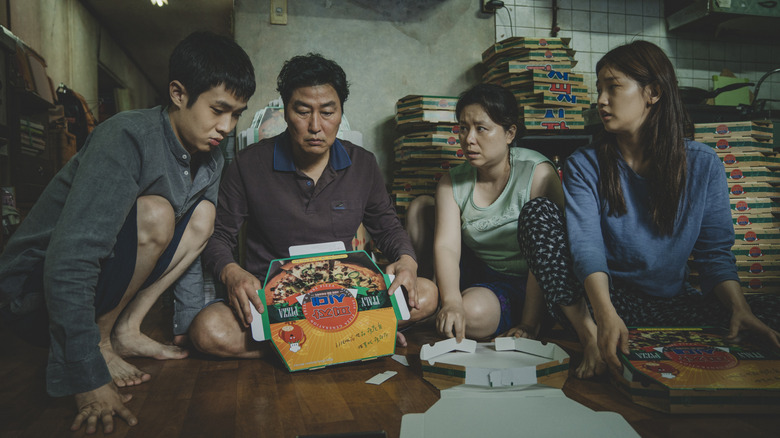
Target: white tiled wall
596, 26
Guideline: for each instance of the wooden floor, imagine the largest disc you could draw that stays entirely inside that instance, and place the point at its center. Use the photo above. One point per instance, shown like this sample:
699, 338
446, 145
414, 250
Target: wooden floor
203, 397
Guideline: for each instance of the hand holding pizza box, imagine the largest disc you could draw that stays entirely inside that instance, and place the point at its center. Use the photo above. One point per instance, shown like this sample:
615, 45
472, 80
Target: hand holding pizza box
328, 308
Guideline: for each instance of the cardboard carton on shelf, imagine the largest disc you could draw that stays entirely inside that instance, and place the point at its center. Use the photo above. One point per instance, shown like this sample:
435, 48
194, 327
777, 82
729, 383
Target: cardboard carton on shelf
694, 370
328, 308
431, 153
553, 99
426, 139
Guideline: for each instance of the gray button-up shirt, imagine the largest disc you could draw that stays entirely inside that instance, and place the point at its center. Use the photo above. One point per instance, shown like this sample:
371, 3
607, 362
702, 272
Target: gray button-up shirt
74, 225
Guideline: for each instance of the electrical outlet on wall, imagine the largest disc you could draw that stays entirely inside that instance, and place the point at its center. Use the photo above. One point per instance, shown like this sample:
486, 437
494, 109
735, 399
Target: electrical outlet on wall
278, 11
490, 6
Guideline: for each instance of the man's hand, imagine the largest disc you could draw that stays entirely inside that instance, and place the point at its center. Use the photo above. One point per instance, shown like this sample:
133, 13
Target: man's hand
242, 292
405, 271
102, 404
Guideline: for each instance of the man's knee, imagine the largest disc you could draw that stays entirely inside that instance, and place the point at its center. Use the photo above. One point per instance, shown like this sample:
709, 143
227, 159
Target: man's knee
156, 220
202, 221
215, 330
427, 297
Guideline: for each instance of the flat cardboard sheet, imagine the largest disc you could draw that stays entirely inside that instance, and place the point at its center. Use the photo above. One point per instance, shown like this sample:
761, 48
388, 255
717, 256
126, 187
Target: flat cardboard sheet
534, 411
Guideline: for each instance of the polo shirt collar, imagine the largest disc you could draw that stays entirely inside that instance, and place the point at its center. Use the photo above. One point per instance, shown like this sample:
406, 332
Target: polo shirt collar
283, 159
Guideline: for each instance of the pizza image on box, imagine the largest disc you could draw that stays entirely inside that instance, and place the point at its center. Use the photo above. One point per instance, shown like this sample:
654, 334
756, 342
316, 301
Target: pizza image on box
324, 309
696, 370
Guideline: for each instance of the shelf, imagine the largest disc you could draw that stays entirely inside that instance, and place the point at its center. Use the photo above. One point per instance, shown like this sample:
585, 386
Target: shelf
746, 18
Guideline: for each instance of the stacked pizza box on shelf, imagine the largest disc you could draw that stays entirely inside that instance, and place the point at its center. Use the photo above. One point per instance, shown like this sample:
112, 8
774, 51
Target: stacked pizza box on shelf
428, 147
539, 73
753, 171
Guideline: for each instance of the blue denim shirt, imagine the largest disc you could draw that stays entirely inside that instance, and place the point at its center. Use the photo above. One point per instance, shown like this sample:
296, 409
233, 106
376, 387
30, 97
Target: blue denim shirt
74, 226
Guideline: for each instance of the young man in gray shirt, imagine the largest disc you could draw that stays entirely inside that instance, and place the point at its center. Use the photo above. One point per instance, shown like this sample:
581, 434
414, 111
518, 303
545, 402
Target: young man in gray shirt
124, 220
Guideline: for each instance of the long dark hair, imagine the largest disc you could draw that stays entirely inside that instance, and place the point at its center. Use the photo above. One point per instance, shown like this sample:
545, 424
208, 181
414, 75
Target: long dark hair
663, 135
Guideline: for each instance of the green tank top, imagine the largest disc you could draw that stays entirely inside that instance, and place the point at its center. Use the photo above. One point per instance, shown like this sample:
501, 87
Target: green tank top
491, 232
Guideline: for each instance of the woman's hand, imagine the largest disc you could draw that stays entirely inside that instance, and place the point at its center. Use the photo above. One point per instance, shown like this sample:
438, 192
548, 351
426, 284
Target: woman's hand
612, 335
743, 320
522, 331
451, 321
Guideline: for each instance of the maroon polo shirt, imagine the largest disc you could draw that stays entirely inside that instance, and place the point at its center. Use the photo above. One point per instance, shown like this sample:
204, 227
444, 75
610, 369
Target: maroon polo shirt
282, 207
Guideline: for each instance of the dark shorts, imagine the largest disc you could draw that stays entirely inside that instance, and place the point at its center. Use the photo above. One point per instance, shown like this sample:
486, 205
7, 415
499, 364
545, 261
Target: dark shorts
509, 289
115, 274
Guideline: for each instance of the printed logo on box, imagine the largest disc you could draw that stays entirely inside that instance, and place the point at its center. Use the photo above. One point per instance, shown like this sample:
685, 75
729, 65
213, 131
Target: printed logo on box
756, 268
755, 284
737, 190
730, 159
743, 220
742, 206
736, 174
722, 130
751, 236
700, 356
755, 252
330, 307
722, 144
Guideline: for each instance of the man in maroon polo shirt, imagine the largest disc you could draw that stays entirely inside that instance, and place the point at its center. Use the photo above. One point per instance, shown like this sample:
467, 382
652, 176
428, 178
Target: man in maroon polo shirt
303, 186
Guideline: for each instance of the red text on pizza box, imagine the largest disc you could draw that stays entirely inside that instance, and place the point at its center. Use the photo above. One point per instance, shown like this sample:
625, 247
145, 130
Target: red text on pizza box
327, 309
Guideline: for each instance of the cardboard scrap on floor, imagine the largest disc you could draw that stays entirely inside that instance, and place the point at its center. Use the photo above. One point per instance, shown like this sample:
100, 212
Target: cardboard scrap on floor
535, 410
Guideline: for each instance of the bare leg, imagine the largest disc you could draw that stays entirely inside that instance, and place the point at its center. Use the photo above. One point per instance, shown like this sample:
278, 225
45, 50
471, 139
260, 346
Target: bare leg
483, 312
155, 230
216, 331
126, 337
428, 302
592, 363
420, 220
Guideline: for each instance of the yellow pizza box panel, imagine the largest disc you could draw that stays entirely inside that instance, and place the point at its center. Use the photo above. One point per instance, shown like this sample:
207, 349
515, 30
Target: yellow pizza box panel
695, 370
329, 308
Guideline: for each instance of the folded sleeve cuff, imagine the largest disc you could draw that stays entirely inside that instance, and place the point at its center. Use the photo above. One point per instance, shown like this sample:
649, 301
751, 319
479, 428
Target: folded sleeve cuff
72, 378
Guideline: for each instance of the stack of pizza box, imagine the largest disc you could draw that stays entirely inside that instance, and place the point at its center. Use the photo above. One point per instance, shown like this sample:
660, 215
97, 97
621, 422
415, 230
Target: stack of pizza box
539, 73
428, 147
753, 171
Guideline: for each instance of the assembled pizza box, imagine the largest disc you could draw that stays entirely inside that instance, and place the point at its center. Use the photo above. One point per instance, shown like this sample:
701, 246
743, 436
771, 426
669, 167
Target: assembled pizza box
755, 221
552, 99
752, 174
499, 72
505, 362
758, 269
768, 284
757, 129
749, 159
739, 190
427, 139
739, 144
436, 153
755, 251
328, 308
754, 205
694, 370
416, 102
524, 43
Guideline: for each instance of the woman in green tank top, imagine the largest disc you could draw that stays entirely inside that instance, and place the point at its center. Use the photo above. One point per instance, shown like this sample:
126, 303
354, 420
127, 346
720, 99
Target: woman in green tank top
481, 272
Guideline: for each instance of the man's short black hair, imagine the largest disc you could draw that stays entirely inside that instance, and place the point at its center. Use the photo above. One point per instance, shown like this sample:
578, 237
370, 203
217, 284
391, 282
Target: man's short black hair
310, 70
204, 60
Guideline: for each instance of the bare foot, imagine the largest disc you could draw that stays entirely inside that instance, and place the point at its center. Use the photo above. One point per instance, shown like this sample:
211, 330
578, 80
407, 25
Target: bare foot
140, 345
592, 364
122, 372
